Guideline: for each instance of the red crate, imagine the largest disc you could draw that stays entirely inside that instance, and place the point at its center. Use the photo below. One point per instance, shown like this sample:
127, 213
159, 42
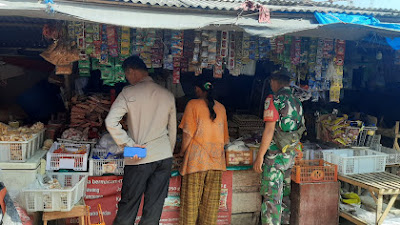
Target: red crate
314, 171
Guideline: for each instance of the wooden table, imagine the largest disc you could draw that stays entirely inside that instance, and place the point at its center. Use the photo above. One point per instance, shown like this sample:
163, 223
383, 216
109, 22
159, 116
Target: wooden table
78, 211
378, 185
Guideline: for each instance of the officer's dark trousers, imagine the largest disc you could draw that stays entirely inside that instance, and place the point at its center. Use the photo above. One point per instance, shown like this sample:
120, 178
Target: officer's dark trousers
150, 179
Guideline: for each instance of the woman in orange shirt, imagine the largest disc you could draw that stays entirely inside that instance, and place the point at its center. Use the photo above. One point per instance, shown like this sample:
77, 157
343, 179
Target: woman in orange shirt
205, 132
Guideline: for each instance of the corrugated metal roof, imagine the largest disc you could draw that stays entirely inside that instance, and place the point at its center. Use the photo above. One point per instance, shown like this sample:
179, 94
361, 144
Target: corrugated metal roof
308, 6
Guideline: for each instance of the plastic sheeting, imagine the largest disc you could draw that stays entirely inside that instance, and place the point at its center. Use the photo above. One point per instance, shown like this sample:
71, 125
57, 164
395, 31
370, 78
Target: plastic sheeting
328, 18
370, 21
394, 43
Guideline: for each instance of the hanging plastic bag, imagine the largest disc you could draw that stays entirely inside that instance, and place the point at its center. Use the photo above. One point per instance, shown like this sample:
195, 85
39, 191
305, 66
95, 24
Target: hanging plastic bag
107, 142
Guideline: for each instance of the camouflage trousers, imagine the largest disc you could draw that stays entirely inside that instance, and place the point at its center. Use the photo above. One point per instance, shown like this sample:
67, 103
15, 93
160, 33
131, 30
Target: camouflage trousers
275, 189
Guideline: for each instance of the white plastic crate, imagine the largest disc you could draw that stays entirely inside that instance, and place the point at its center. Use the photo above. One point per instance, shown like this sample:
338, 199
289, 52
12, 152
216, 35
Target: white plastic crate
41, 138
393, 157
25, 172
99, 167
18, 151
312, 151
51, 200
355, 161
312, 154
57, 161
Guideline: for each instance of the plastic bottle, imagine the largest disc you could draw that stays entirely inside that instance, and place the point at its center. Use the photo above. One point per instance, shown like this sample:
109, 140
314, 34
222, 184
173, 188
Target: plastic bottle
370, 135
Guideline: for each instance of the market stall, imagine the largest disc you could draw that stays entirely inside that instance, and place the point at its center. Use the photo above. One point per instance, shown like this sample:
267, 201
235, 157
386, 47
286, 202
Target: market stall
88, 57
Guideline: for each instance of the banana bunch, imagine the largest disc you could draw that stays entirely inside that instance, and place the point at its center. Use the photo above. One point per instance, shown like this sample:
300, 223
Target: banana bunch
351, 198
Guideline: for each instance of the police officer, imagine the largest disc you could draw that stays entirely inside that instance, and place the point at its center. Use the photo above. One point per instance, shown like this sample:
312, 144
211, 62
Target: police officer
284, 125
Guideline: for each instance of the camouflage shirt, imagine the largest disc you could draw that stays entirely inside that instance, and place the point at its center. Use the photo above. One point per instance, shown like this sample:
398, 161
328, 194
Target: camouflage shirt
286, 110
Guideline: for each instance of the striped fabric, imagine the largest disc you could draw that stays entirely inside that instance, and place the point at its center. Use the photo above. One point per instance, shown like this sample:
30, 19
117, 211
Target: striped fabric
200, 196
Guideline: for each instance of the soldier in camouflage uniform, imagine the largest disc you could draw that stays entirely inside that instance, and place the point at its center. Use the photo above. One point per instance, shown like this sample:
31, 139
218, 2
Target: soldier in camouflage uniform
283, 113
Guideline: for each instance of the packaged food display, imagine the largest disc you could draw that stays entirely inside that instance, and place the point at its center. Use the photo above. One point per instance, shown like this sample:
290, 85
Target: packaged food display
103, 162
55, 192
19, 144
68, 156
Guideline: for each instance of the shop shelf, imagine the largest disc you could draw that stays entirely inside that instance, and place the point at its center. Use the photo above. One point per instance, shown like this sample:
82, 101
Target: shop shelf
248, 121
314, 171
76, 162
355, 161
99, 167
18, 151
51, 200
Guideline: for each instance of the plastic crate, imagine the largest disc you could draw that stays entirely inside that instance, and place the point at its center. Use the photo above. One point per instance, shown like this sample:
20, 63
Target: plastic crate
314, 171
356, 161
393, 157
40, 138
363, 138
18, 151
51, 200
99, 167
248, 121
312, 154
76, 162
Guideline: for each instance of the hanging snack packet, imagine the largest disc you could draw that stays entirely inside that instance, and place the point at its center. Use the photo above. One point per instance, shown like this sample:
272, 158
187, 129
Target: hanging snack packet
119, 74
212, 37
176, 35
112, 38
84, 68
112, 41
125, 41
340, 47
95, 64
218, 70
176, 76
106, 72
71, 31
334, 94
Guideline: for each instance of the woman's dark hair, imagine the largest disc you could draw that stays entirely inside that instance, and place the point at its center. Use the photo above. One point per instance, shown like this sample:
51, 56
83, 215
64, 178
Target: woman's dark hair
208, 87
135, 63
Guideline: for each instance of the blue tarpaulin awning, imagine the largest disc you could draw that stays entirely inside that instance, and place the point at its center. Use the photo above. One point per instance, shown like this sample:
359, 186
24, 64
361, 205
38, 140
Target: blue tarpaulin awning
370, 21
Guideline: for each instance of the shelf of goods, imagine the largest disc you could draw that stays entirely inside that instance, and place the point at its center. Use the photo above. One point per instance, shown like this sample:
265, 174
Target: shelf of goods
68, 156
248, 123
101, 163
21, 151
356, 161
73, 188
